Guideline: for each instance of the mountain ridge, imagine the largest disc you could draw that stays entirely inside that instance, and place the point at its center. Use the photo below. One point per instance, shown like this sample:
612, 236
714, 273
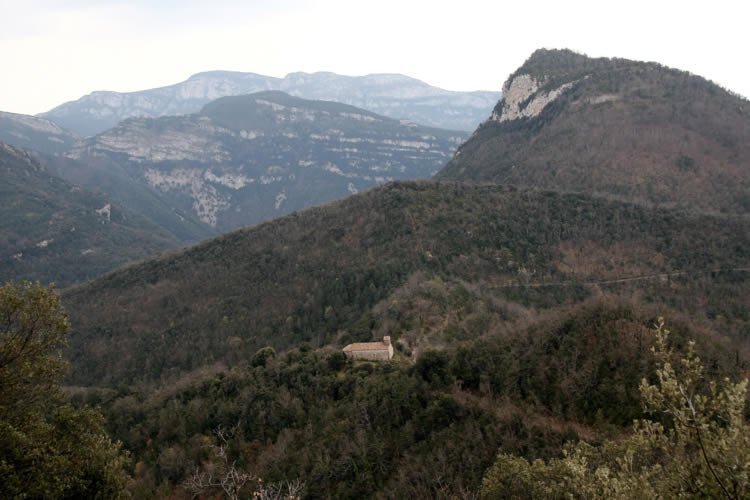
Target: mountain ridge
520, 295
634, 131
31, 132
245, 159
417, 100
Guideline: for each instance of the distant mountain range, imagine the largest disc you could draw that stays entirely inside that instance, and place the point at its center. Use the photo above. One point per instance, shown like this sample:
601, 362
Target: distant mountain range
181, 179
51, 230
626, 129
246, 159
392, 95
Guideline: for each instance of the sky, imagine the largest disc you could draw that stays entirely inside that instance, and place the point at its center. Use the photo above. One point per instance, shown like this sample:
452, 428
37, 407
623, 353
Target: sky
56, 51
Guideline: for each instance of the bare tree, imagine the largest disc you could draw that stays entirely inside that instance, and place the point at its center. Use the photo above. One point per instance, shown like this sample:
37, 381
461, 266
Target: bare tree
285, 490
222, 474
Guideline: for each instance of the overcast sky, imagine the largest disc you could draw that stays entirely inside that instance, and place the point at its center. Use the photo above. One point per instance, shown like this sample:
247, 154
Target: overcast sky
55, 51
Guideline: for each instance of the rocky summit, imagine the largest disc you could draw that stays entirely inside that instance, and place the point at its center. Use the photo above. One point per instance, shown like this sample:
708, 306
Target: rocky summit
631, 130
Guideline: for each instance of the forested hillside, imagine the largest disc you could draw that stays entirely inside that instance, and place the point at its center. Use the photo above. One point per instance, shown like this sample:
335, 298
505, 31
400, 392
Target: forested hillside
51, 230
631, 130
425, 430
523, 291
362, 267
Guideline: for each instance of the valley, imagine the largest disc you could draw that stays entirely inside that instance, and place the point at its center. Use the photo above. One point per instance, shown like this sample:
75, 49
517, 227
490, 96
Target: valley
242, 160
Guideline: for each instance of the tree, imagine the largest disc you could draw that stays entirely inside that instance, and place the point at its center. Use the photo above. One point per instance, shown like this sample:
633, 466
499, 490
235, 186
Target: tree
33, 327
221, 474
696, 444
262, 356
47, 449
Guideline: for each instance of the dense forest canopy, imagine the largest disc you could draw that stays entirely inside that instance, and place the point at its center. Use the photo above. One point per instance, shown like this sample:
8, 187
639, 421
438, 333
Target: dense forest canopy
355, 270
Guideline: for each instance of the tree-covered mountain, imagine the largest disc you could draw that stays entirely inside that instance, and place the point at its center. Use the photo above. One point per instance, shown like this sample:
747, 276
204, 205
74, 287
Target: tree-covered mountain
51, 230
30, 132
246, 159
396, 96
412, 260
632, 130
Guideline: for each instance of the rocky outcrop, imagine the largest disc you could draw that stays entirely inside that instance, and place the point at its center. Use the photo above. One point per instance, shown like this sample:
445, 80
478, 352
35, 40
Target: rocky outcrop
522, 98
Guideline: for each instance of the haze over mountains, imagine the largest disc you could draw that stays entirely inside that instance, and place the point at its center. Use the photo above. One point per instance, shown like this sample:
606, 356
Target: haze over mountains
239, 161
392, 95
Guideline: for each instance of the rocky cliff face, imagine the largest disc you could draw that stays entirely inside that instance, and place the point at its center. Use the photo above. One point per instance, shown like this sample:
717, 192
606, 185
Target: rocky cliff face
631, 130
246, 159
396, 96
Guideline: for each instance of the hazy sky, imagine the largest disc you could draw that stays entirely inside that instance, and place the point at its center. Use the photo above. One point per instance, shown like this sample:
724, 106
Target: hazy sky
55, 51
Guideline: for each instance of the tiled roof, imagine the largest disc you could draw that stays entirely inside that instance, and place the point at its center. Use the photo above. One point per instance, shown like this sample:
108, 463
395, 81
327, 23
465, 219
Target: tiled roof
366, 346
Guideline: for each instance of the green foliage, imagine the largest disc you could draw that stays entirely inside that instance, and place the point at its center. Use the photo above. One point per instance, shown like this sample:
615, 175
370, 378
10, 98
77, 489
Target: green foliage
337, 361
262, 355
686, 163
64, 455
432, 366
696, 445
705, 432
33, 327
47, 450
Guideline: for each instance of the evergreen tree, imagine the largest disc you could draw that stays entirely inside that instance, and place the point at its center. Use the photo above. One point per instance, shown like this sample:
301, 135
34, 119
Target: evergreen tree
47, 449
